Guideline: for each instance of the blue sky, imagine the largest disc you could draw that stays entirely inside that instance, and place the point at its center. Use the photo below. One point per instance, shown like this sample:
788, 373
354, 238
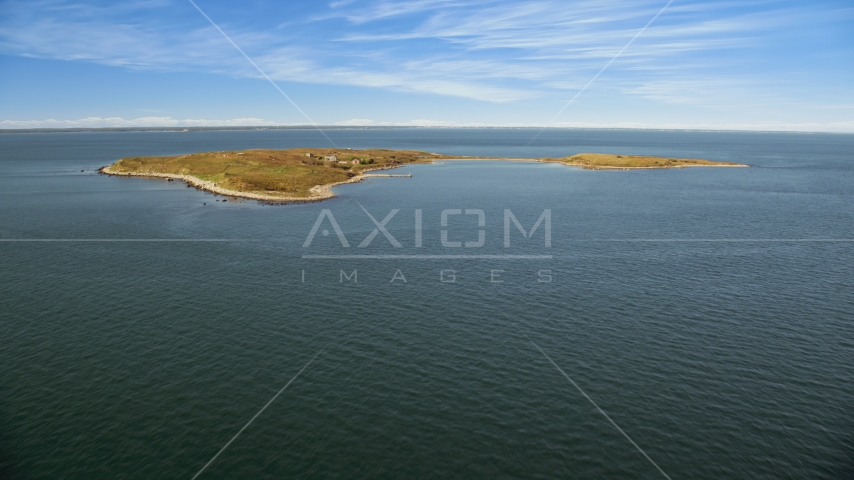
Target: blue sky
763, 65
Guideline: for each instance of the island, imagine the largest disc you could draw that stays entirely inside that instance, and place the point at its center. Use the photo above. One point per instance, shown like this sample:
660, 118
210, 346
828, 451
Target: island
306, 175
602, 161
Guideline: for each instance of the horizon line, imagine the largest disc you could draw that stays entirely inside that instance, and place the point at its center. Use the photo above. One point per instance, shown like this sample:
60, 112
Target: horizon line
386, 127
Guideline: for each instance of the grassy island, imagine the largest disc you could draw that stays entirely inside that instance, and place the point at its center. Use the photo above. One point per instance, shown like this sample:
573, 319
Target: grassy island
273, 175
309, 174
603, 161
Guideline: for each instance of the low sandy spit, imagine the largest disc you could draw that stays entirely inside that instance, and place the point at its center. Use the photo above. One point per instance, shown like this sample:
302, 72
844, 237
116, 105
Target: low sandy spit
580, 165
323, 192
598, 167
486, 159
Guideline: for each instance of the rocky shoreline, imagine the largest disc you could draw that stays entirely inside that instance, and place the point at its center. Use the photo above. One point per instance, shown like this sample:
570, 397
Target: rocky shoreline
318, 192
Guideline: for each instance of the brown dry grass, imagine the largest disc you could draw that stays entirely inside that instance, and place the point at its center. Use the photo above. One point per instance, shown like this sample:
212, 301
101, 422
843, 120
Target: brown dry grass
609, 161
282, 172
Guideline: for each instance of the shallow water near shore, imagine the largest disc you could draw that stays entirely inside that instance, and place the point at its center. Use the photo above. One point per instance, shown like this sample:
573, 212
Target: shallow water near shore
694, 306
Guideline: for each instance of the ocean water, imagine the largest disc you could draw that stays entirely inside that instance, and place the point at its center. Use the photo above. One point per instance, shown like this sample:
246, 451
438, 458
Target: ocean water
707, 311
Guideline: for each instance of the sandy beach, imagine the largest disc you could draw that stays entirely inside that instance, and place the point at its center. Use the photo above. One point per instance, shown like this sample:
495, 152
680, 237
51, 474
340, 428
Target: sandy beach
318, 192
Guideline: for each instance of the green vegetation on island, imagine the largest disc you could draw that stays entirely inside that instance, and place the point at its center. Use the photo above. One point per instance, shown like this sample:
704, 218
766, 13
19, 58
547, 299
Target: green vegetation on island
604, 161
274, 175
308, 174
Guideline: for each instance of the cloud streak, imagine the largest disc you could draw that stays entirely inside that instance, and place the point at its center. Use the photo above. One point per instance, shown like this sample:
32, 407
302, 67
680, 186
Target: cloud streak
484, 50
119, 122
702, 54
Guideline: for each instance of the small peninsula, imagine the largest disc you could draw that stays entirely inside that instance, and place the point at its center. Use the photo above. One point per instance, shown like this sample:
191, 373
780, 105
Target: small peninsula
305, 175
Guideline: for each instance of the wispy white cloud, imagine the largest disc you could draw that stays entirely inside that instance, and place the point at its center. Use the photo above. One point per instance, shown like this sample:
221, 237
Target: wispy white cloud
383, 10
486, 50
119, 122
109, 36
91, 36
466, 79
832, 127
355, 122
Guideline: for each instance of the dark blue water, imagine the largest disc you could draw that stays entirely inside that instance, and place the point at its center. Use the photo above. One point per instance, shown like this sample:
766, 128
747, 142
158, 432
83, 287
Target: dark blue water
726, 357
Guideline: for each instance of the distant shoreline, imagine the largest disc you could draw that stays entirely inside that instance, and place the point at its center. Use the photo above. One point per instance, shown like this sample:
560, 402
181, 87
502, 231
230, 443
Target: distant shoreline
389, 127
